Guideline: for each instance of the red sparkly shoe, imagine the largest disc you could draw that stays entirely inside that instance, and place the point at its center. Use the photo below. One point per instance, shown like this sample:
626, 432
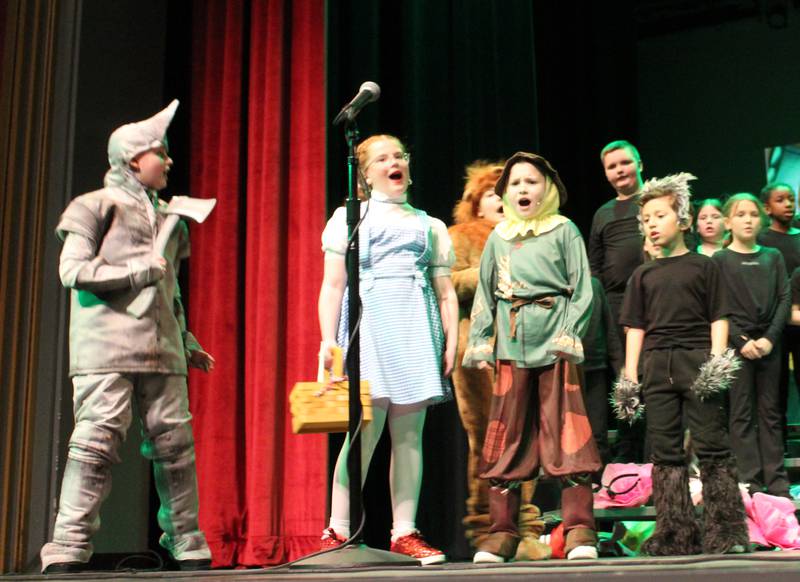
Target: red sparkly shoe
414, 546
330, 539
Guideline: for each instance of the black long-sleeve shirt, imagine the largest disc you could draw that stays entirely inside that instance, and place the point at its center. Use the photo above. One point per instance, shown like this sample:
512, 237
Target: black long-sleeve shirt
601, 343
615, 243
758, 294
787, 244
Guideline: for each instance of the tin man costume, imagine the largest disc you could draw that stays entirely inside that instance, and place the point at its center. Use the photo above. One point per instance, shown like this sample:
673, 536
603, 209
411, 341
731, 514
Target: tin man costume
115, 357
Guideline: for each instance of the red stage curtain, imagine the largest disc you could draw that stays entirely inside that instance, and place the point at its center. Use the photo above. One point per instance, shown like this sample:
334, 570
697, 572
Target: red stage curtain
258, 146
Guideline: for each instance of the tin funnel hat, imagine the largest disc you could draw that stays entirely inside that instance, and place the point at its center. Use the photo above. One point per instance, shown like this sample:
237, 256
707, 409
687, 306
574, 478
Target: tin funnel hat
132, 139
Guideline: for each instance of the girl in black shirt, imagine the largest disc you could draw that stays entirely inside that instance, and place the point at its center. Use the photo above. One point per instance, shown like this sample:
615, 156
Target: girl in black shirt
758, 293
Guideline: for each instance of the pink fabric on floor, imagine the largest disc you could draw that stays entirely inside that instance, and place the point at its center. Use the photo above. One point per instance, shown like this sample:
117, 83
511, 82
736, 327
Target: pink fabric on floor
624, 485
775, 519
754, 531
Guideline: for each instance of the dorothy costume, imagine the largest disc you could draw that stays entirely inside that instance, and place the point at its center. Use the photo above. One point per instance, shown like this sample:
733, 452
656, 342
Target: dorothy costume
401, 249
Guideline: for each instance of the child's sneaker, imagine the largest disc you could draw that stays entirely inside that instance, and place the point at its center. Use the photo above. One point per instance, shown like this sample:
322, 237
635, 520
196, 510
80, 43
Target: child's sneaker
330, 540
414, 546
481, 557
582, 553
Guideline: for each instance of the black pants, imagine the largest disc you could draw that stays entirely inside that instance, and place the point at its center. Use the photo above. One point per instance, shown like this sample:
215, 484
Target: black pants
790, 345
668, 377
595, 397
756, 424
630, 445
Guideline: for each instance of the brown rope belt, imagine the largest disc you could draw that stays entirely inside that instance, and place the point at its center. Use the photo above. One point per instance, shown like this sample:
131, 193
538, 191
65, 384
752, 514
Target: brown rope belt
518, 302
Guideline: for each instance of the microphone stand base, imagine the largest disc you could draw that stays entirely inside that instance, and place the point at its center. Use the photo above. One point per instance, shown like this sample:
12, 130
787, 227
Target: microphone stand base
355, 556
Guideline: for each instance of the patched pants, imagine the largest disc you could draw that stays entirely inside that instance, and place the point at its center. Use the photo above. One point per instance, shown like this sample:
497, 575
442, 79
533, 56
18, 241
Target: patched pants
103, 412
538, 419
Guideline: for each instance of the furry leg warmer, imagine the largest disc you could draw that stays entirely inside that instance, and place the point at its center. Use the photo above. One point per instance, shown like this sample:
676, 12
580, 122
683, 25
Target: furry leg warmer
677, 532
531, 527
724, 519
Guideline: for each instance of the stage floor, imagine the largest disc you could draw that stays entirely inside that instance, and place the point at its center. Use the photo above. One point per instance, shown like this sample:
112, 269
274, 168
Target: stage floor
766, 565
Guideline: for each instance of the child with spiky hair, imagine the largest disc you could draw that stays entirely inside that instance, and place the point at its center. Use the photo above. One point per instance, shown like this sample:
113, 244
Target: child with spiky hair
675, 309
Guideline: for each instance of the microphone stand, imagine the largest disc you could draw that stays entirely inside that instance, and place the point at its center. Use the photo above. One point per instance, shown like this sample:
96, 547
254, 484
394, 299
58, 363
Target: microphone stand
356, 553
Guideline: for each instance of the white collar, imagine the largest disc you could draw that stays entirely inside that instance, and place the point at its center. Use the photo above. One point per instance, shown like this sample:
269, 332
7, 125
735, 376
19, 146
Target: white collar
379, 196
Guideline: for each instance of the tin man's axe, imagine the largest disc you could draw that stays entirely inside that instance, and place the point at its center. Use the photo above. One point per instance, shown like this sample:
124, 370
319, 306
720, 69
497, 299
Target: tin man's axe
196, 209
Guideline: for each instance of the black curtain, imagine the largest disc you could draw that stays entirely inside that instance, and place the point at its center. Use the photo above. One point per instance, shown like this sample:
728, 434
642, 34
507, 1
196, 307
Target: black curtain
587, 64
477, 79
458, 83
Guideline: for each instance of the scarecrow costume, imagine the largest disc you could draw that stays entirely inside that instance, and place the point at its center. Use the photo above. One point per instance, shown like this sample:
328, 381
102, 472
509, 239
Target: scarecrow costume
534, 288
473, 387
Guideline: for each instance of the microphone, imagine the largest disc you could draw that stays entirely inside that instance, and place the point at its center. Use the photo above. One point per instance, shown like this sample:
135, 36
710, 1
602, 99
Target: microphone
367, 93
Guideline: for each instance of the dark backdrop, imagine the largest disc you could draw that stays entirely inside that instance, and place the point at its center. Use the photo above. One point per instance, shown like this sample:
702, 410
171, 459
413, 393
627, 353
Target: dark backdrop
713, 97
458, 82
587, 93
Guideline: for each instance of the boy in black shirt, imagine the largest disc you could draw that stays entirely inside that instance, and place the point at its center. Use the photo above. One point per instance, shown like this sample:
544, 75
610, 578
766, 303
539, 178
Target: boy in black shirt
614, 251
615, 241
675, 310
779, 202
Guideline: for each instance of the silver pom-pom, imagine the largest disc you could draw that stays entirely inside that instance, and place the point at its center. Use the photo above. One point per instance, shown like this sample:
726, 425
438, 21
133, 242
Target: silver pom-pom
626, 399
716, 374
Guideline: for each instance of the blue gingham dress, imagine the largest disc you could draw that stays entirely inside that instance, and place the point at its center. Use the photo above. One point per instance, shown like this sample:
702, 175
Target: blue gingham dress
402, 340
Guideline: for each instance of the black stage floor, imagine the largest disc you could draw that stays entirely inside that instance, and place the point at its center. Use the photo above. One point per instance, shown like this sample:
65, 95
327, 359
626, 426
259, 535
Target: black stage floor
764, 566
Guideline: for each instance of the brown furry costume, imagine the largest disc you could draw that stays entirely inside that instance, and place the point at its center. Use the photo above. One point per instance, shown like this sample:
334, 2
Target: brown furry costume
473, 387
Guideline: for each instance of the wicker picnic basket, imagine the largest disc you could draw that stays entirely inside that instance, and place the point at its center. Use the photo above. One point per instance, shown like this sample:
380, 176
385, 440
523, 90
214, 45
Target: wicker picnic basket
323, 406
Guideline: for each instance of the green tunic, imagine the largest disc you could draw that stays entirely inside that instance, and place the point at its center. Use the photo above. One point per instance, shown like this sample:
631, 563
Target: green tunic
551, 265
